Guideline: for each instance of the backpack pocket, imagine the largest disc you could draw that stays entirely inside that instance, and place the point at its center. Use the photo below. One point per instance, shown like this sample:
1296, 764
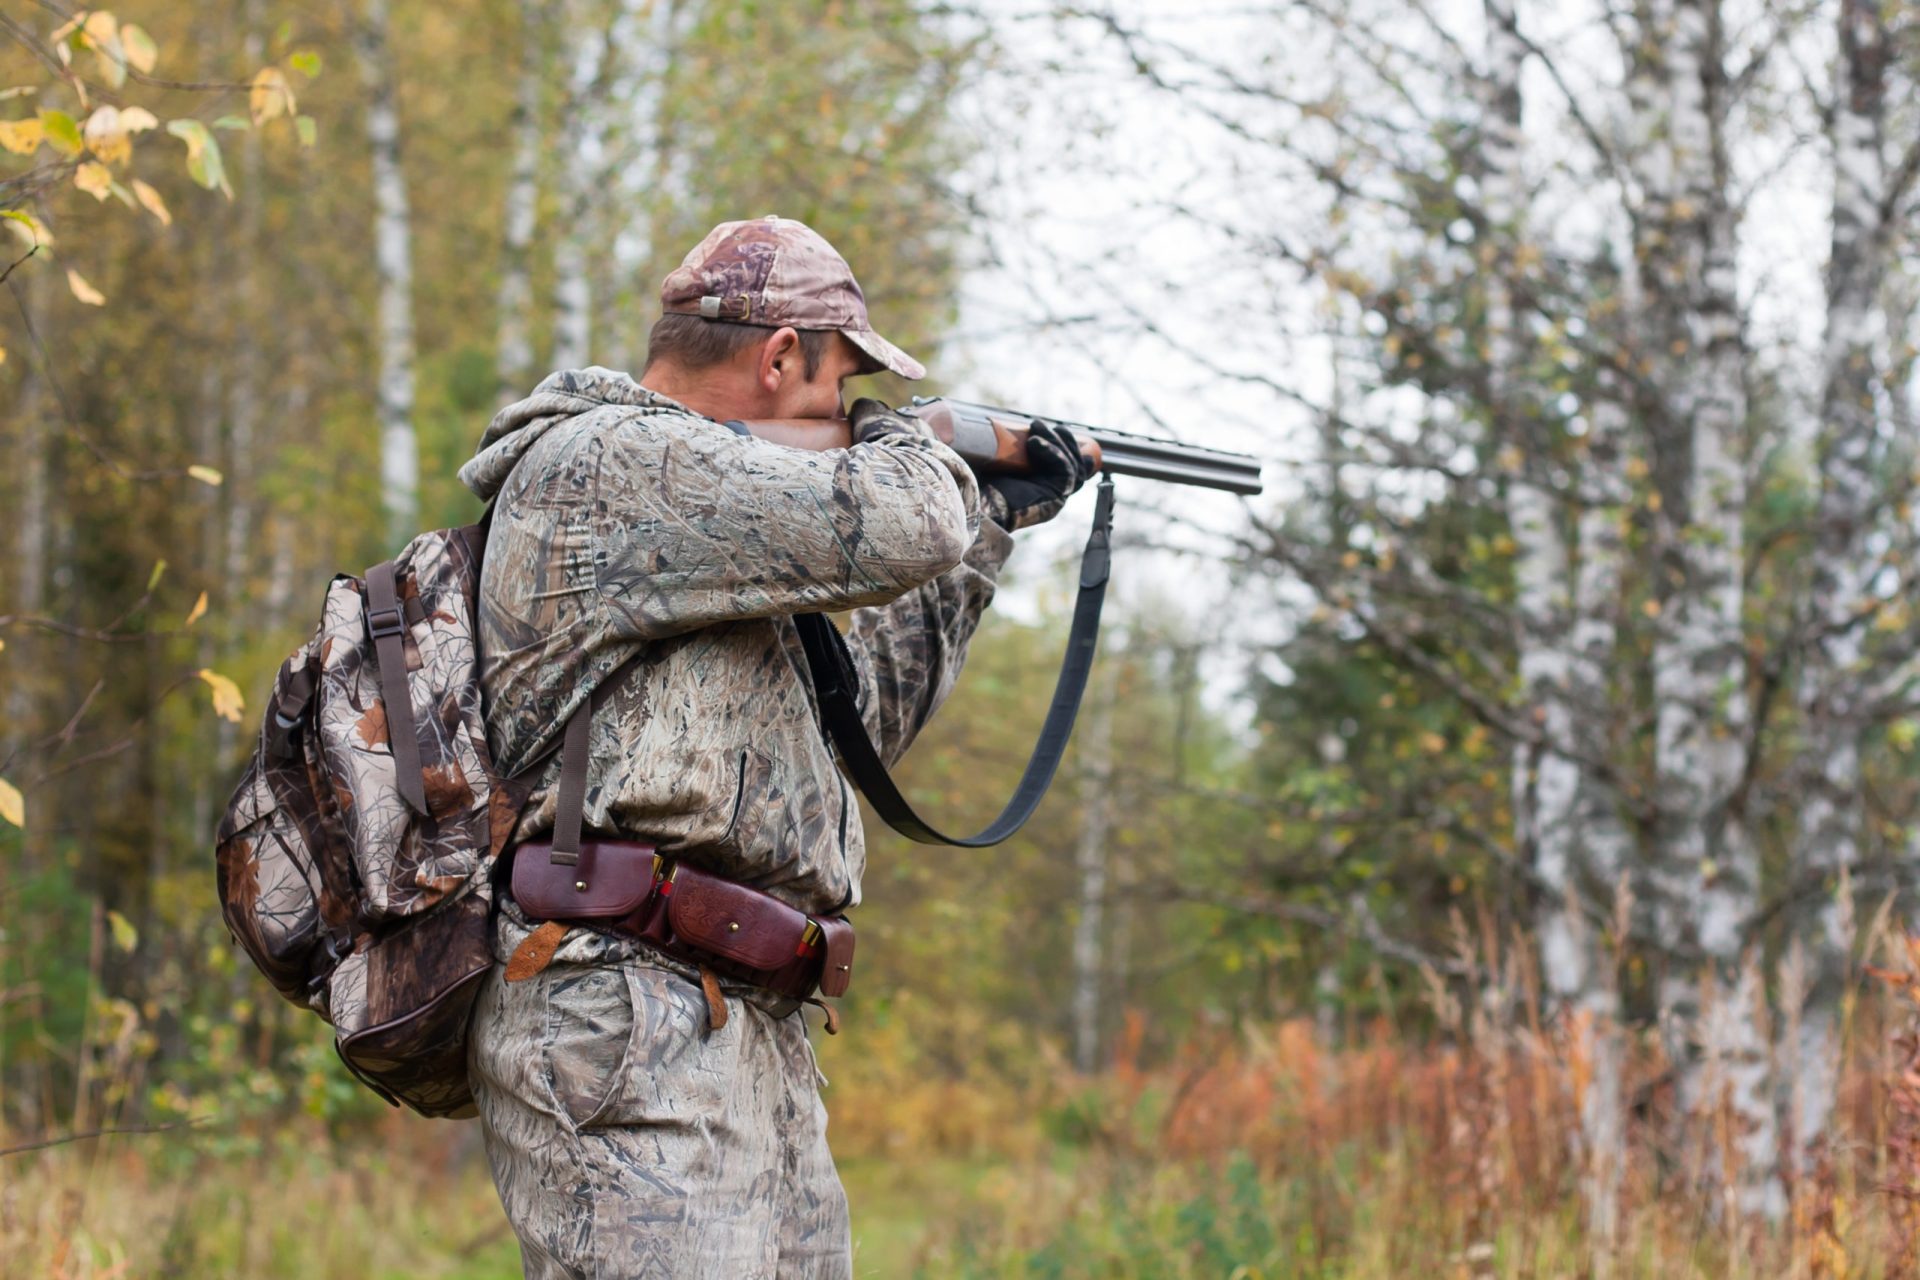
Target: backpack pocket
269, 846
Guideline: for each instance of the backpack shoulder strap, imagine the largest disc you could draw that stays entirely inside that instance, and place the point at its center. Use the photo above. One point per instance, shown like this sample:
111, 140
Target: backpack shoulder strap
388, 627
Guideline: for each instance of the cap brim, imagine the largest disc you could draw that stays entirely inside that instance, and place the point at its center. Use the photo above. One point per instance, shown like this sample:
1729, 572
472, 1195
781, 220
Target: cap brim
884, 354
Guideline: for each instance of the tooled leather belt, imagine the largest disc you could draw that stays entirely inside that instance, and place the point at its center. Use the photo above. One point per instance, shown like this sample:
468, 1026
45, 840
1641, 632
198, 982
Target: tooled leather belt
691, 915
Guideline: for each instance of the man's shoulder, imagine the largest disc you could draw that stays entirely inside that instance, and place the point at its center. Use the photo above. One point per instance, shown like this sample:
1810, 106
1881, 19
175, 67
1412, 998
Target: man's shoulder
578, 445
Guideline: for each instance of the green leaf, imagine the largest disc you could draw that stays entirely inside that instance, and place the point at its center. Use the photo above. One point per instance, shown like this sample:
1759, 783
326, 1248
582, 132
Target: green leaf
63, 132
31, 231
306, 62
159, 571
203, 155
309, 133
125, 936
231, 123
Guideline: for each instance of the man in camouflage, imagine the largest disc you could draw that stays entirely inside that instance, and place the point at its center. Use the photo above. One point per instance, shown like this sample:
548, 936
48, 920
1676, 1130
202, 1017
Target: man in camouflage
630, 1132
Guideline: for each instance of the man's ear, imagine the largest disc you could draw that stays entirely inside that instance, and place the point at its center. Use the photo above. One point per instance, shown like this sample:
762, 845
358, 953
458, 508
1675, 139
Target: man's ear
778, 358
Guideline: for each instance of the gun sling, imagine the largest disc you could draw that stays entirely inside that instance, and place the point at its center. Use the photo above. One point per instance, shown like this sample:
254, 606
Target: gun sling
837, 686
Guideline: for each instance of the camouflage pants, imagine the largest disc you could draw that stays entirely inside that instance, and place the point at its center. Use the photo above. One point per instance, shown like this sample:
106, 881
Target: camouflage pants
627, 1140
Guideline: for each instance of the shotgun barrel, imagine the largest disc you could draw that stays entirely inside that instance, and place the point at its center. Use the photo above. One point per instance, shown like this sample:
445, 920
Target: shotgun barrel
983, 431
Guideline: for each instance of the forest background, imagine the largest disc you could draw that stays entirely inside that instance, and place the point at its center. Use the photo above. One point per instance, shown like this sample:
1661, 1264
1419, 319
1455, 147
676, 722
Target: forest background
1476, 855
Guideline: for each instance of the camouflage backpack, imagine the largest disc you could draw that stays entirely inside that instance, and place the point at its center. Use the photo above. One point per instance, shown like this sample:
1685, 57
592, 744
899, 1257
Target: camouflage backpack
354, 858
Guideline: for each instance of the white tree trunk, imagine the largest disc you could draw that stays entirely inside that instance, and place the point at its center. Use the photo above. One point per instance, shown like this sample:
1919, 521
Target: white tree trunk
583, 131
1090, 859
513, 347
1579, 966
1853, 446
393, 261
245, 390
1706, 871
1564, 819
284, 567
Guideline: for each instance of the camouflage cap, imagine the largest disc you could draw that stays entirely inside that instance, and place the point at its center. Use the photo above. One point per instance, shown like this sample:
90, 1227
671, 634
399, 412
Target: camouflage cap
776, 272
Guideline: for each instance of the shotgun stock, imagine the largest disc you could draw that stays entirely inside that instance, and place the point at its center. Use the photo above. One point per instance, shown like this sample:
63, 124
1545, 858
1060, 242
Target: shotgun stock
994, 441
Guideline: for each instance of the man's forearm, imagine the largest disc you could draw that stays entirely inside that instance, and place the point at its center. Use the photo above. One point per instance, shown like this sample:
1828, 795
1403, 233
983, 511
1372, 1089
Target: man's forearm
909, 653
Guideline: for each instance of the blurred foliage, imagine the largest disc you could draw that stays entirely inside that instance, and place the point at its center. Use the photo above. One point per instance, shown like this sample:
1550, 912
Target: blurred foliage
195, 458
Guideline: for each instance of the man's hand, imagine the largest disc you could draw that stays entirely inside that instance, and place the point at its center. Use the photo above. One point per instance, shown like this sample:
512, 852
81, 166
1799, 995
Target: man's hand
871, 418
1055, 471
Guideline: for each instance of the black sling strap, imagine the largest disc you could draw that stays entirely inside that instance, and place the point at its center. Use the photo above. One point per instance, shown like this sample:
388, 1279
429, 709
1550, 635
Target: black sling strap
837, 685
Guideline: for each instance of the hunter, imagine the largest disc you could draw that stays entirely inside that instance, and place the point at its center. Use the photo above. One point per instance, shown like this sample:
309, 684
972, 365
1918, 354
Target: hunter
644, 1115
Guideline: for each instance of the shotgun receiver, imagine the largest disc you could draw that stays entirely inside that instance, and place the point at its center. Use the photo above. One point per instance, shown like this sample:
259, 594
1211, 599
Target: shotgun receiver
994, 440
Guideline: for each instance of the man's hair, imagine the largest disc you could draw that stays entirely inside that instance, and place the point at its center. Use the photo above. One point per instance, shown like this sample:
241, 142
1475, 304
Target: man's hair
694, 343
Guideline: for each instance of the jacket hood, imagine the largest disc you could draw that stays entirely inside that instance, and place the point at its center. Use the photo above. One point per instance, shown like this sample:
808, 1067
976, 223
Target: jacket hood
558, 398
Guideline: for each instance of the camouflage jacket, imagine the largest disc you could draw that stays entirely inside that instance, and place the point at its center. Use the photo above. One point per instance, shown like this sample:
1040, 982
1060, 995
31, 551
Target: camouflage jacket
625, 521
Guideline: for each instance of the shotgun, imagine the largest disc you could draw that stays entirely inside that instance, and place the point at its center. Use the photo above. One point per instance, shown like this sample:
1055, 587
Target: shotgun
994, 440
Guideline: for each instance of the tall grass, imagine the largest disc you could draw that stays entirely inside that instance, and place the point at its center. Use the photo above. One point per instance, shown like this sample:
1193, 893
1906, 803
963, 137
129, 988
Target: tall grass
1253, 1152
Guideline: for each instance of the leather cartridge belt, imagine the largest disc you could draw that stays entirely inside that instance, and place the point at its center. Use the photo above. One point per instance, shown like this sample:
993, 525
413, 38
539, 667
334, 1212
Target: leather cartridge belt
692, 915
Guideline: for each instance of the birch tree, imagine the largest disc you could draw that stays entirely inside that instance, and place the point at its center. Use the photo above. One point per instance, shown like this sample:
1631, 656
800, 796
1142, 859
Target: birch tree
513, 342
589, 56
1566, 825
393, 261
1858, 452
1548, 322
1091, 858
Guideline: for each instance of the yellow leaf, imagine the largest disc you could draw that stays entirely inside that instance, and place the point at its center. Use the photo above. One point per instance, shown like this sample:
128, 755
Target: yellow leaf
106, 135
141, 52
227, 702
100, 27
1651, 608
84, 291
12, 807
125, 936
3, 360
22, 137
102, 34
138, 120
198, 611
205, 475
270, 96
154, 204
93, 179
